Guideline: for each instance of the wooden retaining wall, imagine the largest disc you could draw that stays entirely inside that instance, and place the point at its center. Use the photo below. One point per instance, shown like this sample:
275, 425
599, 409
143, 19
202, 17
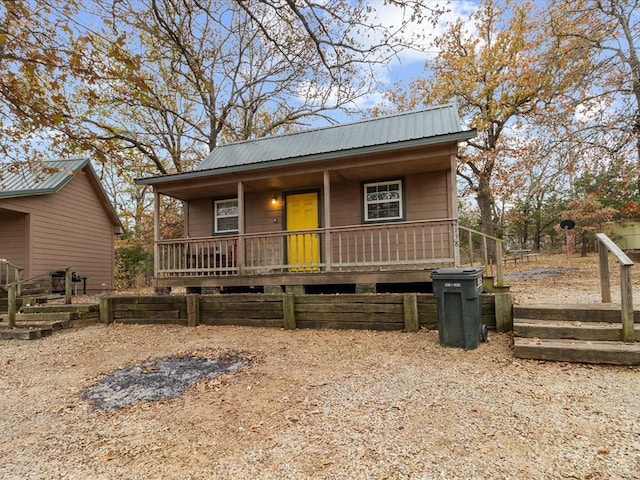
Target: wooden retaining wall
346, 311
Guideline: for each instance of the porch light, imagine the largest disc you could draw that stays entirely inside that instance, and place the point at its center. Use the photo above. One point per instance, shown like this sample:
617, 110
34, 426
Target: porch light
274, 200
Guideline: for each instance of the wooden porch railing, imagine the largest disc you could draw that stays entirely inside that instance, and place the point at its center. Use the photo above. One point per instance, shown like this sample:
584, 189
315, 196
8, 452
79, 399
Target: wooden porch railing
390, 246
607, 245
10, 273
489, 260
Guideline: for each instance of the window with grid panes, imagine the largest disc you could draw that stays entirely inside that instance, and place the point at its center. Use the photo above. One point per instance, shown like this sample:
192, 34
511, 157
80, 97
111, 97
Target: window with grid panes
383, 201
225, 215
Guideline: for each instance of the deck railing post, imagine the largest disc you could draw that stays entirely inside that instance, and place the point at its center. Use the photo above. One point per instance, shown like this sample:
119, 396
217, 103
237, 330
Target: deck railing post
605, 286
12, 305
67, 285
606, 245
18, 282
499, 265
626, 296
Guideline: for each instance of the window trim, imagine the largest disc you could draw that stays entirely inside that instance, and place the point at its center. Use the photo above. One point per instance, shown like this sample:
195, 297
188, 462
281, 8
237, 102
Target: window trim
216, 217
402, 200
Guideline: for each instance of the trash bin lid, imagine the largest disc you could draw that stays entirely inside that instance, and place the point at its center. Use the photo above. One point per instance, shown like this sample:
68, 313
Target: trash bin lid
466, 272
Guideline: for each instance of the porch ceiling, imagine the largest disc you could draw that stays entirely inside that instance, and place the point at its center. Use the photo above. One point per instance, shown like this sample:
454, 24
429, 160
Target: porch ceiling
294, 177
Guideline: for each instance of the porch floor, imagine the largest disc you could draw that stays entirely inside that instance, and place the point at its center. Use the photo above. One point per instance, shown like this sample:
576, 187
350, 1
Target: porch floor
347, 282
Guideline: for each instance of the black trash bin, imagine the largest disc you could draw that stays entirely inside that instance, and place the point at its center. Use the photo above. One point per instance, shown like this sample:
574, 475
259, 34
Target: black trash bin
459, 306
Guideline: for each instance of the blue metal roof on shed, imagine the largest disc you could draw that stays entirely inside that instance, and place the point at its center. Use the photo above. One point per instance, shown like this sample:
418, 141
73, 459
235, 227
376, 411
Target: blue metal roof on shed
27, 182
381, 132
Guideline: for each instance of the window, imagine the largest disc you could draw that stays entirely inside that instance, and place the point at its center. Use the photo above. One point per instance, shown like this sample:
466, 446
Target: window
225, 215
383, 201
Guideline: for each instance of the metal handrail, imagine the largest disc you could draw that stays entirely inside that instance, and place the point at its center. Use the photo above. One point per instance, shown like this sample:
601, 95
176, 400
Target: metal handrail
626, 291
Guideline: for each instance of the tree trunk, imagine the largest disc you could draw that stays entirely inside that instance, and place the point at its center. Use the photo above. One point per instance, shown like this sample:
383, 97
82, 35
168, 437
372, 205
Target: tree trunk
485, 204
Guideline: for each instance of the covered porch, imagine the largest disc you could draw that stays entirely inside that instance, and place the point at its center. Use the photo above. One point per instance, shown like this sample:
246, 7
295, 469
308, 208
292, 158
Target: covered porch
360, 255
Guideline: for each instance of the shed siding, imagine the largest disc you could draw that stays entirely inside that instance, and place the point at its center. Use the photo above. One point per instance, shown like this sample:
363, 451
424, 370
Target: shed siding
70, 228
13, 237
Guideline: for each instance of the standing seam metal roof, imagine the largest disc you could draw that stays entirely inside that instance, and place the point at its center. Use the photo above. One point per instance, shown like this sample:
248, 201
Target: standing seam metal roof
27, 182
401, 127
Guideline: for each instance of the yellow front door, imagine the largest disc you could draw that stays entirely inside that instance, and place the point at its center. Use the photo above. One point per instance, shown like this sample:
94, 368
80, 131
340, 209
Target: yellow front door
302, 214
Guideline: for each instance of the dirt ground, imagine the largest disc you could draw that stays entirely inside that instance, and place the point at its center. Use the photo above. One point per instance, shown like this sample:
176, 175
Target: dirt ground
323, 404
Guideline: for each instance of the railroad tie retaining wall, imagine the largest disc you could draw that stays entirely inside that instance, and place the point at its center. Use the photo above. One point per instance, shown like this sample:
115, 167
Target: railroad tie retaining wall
346, 311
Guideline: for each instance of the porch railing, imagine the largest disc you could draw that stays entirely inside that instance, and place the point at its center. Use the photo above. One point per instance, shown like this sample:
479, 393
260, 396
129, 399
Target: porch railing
10, 274
392, 246
606, 245
490, 252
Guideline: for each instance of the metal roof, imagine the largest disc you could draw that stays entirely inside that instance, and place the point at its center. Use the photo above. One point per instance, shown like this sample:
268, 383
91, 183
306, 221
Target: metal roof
52, 177
375, 132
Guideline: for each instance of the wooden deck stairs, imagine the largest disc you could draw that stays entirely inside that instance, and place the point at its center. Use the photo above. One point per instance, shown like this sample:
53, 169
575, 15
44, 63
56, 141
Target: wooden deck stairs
573, 333
37, 321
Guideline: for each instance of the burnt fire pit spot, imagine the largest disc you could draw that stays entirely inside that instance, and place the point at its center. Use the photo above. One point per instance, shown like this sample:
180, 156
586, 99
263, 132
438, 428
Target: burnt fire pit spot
159, 379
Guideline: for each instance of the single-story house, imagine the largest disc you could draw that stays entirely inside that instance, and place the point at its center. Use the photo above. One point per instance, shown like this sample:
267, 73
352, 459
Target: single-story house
59, 217
363, 205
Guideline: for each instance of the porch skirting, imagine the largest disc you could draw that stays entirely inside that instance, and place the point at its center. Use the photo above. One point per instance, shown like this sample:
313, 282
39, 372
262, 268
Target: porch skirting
409, 311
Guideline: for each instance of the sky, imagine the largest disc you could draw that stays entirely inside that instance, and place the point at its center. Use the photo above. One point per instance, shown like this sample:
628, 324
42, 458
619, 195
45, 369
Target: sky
409, 64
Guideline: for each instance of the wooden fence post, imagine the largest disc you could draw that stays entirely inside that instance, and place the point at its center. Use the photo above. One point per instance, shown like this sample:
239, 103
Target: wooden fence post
503, 310
411, 320
106, 310
626, 299
68, 280
12, 305
193, 309
289, 311
605, 286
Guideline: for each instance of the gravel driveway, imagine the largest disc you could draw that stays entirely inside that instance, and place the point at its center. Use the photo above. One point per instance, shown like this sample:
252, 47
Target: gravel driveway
315, 405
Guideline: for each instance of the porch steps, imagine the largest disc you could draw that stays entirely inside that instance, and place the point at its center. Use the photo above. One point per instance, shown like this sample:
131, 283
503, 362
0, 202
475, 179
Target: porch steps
573, 333
38, 321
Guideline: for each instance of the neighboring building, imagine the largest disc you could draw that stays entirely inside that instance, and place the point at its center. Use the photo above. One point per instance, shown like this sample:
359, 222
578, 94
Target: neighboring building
369, 203
57, 218
627, 234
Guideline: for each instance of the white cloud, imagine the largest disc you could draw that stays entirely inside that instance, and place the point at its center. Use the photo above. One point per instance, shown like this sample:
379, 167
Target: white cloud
423, 33
592, 111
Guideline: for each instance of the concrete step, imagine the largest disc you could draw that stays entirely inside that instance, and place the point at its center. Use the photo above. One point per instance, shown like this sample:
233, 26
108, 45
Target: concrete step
616, 353
576, 330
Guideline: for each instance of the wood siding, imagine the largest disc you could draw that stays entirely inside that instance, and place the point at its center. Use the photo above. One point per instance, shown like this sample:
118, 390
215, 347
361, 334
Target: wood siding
69, 228
426, 197
13, 240
201, 218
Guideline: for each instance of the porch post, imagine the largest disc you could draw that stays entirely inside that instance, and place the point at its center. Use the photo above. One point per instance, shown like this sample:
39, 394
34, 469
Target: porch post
453, 203
156, 230
241, 232
185, 212
326, 197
